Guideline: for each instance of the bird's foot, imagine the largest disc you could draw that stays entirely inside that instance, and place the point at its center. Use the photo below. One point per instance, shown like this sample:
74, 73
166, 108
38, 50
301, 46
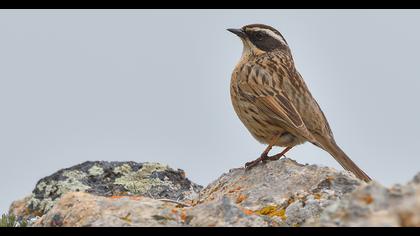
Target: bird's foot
264, 157
255, 162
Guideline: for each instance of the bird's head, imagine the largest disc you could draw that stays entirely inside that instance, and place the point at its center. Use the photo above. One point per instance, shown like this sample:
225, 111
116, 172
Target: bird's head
259, 39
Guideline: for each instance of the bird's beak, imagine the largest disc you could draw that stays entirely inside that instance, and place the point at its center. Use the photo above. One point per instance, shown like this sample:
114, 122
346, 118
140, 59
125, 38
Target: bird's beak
239, 32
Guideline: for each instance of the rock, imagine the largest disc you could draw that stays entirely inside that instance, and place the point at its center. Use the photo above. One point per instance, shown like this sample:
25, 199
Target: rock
19, 207
375, 205
107, 179
224, 212
84, 209
275, 193
283, 190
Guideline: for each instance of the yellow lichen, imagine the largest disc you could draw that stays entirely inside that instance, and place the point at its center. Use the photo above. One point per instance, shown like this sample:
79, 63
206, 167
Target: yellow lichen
271, 211
126, 218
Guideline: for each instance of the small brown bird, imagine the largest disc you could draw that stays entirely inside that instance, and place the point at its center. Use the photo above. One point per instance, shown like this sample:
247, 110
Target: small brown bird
272, 100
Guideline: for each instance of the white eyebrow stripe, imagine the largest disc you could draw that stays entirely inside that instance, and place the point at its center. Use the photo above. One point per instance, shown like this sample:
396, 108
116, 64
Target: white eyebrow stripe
271, 33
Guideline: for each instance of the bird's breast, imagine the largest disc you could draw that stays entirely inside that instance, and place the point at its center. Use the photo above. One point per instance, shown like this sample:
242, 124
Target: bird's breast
258, 124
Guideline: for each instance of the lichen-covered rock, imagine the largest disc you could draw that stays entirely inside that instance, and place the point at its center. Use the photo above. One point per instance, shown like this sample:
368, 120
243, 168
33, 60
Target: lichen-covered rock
84, 209
375, 205
224, 212
102, 178
275, 193
282, 192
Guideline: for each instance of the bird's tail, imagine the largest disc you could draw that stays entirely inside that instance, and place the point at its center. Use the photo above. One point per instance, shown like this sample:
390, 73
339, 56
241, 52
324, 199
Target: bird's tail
345, 161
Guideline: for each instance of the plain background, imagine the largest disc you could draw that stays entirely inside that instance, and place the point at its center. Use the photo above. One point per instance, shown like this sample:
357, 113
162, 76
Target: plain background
153, 85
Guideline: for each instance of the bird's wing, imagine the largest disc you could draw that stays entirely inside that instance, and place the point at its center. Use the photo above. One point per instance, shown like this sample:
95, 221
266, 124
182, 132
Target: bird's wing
257, 85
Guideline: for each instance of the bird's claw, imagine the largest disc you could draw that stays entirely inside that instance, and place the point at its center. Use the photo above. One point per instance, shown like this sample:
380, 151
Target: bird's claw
255, 162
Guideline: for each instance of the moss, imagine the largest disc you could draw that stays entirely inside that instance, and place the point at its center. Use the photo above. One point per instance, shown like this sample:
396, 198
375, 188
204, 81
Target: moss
272, 210
11, 221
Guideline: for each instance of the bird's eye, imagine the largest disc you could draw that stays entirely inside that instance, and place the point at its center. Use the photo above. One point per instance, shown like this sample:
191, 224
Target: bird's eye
259, 35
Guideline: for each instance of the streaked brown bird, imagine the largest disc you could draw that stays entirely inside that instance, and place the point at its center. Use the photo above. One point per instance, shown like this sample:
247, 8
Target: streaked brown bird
274, 103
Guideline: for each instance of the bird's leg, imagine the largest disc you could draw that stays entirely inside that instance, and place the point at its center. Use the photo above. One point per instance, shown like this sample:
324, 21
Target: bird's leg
263, 155
278, 156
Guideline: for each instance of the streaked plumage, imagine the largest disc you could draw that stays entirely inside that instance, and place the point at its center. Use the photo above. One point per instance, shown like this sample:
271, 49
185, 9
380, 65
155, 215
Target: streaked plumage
272, 100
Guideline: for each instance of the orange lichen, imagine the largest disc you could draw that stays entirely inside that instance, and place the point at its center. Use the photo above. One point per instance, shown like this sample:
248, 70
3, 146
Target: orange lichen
116, 197
368, 199
317, 196
240, 198
183, 215
135, 198
247, 212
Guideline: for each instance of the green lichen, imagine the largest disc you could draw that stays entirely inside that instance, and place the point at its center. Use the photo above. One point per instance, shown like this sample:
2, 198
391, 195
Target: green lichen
72, 183
43, 205
54, 189
140, 182
95, 170
123, 169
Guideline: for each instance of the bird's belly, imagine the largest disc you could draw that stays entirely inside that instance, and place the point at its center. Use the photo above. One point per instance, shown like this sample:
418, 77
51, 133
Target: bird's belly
260, 126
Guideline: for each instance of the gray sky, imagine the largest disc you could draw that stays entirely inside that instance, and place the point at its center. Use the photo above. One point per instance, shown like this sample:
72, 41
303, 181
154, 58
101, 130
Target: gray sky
153, 85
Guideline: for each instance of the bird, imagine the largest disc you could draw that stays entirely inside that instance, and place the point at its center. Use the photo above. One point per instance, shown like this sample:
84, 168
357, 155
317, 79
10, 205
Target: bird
272, 100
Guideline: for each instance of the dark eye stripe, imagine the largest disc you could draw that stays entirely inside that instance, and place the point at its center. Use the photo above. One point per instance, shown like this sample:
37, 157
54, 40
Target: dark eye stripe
264, 41
262, 28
